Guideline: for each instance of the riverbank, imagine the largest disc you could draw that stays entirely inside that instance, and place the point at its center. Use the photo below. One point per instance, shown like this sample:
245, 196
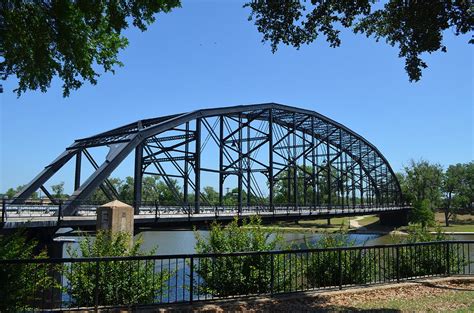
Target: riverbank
451, 294
369, 224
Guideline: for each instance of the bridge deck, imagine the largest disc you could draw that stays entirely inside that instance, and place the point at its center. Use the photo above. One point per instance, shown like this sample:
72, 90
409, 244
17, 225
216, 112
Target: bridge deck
33, 217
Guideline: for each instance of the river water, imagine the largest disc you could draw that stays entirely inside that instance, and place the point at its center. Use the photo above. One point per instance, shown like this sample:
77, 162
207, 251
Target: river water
183, 241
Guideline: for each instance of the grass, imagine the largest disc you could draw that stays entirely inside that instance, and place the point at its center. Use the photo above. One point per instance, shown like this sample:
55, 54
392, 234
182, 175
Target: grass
461, 223
458, 301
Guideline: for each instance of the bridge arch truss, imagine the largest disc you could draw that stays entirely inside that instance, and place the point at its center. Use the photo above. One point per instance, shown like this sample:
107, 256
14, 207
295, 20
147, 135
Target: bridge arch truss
278, 155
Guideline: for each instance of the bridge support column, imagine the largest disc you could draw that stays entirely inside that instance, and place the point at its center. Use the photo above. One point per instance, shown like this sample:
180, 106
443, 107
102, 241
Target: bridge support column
137, 181
394, 218
197, 168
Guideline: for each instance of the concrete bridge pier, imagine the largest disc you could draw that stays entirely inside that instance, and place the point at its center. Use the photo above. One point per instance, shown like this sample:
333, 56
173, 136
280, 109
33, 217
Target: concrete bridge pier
394, 218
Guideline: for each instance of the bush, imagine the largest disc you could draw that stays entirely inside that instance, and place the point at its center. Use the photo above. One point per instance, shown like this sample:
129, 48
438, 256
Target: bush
323, 268
230, 275
22, 284
119, 282
429, 259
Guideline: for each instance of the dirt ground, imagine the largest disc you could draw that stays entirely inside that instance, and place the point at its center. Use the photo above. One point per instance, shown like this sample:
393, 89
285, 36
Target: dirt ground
435, 295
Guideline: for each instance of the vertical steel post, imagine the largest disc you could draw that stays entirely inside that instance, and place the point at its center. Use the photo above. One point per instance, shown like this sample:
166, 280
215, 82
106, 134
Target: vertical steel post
4, 209
96, 287
313, 163
340, 268
77, 176
191, 279
288, 170
270, 158
272, 273
186, 167
360, 178
341, 173
197, 168
248, 164
221, 160
295, 166
397, 252
60, 209
448, 263
305, 195
137, 181
328, 158
240, 173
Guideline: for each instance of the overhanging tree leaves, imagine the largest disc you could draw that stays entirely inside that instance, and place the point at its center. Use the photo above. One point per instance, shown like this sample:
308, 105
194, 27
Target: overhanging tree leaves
415, 27
69, 39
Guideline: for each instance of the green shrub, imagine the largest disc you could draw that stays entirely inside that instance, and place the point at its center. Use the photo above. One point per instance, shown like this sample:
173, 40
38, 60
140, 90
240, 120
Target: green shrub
230, 275
430, 259
323, 268
21, 285
119, 282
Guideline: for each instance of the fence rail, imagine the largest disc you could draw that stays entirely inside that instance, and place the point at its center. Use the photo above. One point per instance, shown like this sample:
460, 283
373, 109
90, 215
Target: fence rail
77, 283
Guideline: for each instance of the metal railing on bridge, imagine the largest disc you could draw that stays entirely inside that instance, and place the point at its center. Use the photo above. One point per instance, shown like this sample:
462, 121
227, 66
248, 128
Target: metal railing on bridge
81, 283
32, 208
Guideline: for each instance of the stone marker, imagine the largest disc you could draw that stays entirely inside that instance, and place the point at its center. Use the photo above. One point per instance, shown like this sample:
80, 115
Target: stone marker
115, 216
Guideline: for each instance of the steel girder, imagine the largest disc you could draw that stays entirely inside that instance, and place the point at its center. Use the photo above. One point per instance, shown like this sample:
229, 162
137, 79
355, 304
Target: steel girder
331, 163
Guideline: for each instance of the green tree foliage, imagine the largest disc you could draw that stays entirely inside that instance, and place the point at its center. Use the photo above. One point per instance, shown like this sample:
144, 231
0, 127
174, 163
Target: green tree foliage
68, 39
422, 213
58, 190
153, 189
415, 27
423, 181
235, 275
430, 259
356, 266
21, 285
11, 192
458, 187
211, 195
120, 282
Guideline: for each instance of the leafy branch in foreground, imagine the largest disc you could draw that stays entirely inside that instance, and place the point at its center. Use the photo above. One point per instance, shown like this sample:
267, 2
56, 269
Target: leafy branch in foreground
415, 27
68, 39
21, 285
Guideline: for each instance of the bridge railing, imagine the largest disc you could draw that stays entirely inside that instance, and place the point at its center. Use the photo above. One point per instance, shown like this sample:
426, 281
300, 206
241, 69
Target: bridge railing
79, 283
34, 208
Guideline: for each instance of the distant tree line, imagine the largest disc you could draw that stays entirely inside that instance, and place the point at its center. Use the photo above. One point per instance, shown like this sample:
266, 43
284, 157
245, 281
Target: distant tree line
428, 187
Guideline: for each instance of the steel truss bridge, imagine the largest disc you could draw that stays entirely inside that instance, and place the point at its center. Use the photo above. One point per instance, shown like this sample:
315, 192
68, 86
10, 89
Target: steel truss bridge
279, 158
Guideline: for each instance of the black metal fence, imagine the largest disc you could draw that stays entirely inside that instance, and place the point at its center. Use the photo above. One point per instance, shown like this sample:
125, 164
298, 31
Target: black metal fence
55, 284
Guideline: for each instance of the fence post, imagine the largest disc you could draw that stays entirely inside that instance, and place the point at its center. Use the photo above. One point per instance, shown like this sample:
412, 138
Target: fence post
272, 274
191, 280
448, 265
4, 209
60, 208
340, 269
156, 211
397, 252
96, 291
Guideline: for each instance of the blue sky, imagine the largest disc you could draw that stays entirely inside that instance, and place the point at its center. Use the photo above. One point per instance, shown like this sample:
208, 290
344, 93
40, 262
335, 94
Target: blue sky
207, 54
